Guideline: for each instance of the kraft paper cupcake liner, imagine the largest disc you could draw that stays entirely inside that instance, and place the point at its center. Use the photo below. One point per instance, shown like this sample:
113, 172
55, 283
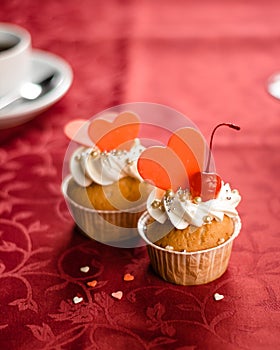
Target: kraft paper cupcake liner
107, 226
189, 268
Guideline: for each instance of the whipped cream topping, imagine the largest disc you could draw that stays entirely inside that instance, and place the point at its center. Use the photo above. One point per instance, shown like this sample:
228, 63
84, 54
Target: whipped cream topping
183, 210
88, 165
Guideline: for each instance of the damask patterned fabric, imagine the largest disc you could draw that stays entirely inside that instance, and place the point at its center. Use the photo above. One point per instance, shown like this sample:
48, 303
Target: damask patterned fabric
210, 60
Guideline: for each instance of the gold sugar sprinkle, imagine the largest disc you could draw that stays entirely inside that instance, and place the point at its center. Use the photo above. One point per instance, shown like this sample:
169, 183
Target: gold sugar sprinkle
197, 200
129, 162
156, 204
169, 194
207, 219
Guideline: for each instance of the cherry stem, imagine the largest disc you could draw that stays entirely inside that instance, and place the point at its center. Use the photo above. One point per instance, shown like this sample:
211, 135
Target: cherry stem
232, 126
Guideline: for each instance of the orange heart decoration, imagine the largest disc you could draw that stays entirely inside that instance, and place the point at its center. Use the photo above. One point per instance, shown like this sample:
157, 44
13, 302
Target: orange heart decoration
171, 167
77, 130
118, 134
128, 277
92, 283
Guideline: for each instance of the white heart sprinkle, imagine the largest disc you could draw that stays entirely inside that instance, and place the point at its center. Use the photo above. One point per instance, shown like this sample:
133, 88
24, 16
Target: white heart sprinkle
77, 300
117, 295
84, 269
218, 296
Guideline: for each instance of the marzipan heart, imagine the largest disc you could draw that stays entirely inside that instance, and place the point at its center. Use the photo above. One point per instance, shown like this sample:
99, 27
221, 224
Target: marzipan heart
118, 134
77, 130
171, 167
106, 135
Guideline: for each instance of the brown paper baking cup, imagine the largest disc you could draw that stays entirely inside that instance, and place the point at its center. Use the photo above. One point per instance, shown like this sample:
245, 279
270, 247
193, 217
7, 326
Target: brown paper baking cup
190, 268
118, 228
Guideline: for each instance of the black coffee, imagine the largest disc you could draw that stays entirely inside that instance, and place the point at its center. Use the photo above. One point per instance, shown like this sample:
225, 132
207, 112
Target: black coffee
8, 41
4, 47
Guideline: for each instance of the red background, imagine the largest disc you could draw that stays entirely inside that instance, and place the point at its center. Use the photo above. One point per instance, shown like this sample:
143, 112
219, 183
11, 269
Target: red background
210, 60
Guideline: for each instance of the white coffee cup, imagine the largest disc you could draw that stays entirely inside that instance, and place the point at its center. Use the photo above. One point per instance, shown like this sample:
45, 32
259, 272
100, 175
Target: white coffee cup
15, 52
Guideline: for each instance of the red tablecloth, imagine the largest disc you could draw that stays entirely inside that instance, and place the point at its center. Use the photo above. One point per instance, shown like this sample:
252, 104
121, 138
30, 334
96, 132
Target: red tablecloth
210, 60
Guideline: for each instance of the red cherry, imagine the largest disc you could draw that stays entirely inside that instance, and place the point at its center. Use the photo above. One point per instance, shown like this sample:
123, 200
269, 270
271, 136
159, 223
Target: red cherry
207, 185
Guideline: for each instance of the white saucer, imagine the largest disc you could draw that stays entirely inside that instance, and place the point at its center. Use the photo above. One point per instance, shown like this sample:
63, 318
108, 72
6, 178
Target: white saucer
42, 64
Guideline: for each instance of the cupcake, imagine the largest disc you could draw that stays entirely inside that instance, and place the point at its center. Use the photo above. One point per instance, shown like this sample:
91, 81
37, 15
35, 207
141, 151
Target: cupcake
191, 219
104, 191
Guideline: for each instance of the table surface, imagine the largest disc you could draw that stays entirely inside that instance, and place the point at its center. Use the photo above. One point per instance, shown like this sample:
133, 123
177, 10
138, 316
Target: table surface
209, 60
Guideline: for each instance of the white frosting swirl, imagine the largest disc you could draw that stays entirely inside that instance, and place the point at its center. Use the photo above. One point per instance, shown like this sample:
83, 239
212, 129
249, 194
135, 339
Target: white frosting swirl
182, 210
88, 165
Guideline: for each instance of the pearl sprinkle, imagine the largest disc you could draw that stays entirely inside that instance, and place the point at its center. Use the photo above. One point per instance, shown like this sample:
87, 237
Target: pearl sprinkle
156, 204
197, 200
207, 219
